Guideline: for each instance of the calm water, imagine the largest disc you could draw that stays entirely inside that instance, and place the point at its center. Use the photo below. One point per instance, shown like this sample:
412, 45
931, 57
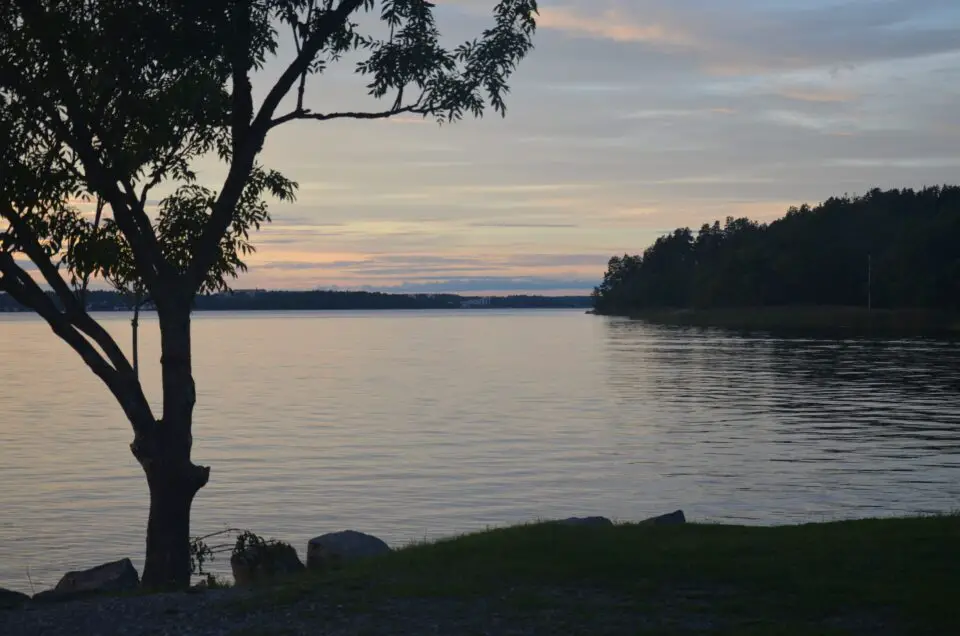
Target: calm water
413, 425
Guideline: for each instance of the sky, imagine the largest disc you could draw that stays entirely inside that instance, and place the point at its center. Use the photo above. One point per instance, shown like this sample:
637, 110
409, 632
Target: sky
629, 119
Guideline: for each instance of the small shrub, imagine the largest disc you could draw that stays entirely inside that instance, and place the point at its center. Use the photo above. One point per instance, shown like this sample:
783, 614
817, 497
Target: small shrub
214, 582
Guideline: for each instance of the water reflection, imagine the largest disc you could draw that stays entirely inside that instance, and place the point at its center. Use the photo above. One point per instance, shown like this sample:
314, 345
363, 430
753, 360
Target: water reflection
870, 386
428, 424
801, 419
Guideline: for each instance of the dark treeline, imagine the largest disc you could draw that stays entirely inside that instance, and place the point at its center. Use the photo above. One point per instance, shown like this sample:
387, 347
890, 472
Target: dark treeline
316, 300
540, 302
897, 249
321, 300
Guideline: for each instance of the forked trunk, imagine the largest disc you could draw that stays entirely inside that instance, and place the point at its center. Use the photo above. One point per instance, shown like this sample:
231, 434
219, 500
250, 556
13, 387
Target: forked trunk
164, 453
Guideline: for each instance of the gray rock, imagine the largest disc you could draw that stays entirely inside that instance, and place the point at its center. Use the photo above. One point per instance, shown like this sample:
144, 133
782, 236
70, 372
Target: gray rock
12, 600
261, 563
116, 576
671, 519
586, 521
53, 596
113, 577
336, 548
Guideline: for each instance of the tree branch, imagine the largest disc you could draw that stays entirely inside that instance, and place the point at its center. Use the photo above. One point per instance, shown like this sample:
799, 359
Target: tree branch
131, 219
161, 168
133, 222
302, 86
328, 24
245, 154
73, 309
16, 282
416, 109
98, 215
240, 64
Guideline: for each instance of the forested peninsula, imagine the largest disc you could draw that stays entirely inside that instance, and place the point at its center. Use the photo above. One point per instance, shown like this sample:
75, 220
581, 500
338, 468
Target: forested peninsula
888, 256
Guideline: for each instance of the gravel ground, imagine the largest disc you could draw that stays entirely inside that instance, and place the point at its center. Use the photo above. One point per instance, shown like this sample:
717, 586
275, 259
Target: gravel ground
230, 613
530, 611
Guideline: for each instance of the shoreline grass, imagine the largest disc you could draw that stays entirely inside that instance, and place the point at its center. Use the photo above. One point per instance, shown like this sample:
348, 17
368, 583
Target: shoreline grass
842, 320
872, 576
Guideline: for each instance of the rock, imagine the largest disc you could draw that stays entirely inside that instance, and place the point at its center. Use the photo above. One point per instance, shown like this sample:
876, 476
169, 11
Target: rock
116, 576
12, 600
336, 548
671, 519
53, 596
586, 521
263, 562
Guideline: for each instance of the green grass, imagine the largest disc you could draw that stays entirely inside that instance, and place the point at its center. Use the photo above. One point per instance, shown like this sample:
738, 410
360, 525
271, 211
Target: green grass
854, 577
856, 320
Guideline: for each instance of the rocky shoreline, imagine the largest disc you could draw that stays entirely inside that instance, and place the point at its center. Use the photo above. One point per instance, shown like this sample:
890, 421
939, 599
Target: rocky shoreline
254, 564
581, 575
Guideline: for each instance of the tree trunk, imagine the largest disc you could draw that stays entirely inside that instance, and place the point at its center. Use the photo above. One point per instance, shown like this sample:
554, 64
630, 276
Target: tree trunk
164, 453
167, 563
134, 325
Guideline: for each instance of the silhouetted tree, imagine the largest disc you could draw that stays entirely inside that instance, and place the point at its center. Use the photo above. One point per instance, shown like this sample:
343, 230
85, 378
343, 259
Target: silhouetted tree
112, 99
811, 256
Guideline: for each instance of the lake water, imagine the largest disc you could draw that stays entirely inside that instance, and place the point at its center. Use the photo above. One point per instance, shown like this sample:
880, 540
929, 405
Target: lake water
414, 425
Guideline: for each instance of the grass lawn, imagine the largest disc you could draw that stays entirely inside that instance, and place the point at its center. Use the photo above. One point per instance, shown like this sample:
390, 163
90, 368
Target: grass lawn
890, 576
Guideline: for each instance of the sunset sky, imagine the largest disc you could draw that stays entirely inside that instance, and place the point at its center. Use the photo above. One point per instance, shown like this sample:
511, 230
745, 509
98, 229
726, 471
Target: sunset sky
630, 118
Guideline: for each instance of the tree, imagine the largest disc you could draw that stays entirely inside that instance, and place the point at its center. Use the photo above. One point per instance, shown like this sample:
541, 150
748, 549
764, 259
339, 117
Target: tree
111, 100
812, 256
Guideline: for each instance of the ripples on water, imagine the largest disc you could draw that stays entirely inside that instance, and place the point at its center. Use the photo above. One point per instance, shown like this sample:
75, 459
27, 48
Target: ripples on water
413, 425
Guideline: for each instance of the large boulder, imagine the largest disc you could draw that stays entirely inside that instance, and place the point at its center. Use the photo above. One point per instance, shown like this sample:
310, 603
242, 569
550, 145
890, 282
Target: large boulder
113, 577
336, 548
670, 519
12, 600
263, 562
586, 521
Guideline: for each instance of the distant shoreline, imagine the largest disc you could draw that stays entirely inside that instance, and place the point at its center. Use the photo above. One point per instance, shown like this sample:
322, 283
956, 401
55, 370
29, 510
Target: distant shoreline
858, 320
324, 300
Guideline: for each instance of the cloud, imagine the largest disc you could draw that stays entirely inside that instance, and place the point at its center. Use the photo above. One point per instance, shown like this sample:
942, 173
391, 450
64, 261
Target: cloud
425, 272
520, 224
490, 284
630, 118
665, 113
739, 38
406, 120
819, 96
907, 163
611, 24
520, 188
